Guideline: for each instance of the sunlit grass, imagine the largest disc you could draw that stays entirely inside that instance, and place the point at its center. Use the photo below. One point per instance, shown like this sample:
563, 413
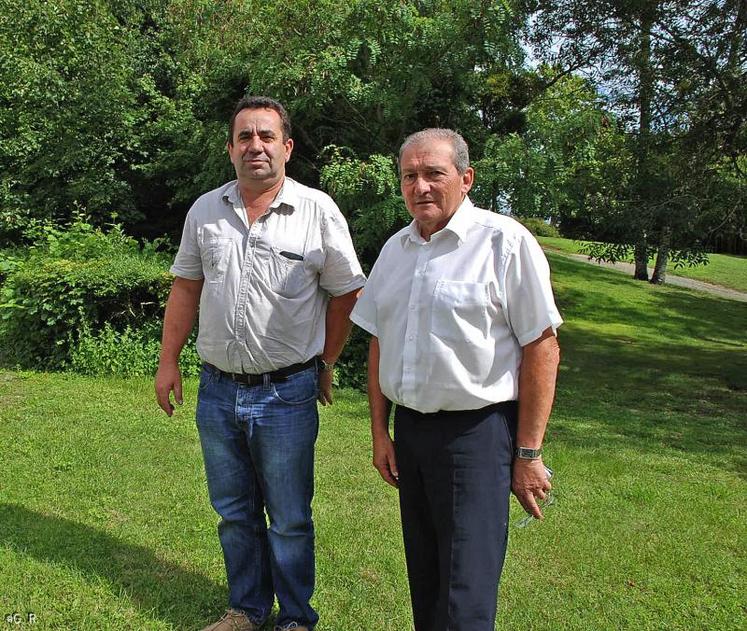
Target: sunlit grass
105, 521
722, 269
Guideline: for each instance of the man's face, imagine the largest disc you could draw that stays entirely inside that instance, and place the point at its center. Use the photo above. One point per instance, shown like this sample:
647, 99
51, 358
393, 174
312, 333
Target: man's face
258, 151
431, 184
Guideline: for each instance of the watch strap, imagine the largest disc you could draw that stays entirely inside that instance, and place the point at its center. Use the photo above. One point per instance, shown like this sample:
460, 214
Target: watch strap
527, 453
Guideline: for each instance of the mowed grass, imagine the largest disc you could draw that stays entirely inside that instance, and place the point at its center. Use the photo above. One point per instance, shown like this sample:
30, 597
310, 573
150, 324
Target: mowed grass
105, 521
722, 269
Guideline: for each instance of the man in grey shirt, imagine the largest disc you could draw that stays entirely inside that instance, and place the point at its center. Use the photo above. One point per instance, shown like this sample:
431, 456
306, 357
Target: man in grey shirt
271, 267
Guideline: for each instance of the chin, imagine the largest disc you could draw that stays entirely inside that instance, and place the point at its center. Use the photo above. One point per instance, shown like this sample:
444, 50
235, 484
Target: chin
428, 216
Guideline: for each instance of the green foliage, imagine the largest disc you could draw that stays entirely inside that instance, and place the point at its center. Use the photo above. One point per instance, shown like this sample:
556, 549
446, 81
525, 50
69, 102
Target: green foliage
569, 160
103, 496
75, 280
9, 261
367, 191
67, 124
350, 369
130, 352
539, 228
674, 74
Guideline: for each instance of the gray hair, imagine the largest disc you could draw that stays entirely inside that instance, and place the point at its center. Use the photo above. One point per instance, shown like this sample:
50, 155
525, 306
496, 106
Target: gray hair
459, 146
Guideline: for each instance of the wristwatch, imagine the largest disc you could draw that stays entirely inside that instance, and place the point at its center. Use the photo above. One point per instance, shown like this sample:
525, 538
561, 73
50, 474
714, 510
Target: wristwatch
326, 366
525, 453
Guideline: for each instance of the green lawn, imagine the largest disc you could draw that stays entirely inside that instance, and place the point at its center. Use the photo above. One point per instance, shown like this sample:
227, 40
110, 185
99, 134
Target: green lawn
722, 269
105, 523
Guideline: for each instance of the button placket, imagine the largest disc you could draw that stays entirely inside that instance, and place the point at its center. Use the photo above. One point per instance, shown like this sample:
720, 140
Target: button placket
412, 329
246, 272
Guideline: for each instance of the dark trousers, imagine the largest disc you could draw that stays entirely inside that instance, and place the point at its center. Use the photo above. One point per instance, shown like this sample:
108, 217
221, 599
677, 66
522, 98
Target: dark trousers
454, 489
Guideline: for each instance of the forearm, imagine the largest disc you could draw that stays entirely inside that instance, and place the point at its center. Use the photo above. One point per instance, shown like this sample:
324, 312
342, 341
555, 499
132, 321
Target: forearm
338, 325
378, 405
179, 318
537, 377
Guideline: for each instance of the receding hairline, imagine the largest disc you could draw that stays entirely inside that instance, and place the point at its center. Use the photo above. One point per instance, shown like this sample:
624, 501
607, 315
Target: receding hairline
263, 127
459, 148
257, 102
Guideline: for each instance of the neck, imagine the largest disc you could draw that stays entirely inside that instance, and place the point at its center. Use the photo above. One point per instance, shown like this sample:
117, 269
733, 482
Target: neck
257, 198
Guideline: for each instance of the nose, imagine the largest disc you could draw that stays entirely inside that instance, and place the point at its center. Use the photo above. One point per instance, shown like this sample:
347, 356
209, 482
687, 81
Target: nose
253, 144
420, 186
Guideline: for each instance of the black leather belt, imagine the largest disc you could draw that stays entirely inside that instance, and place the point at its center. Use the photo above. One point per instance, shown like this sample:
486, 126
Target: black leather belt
276, 375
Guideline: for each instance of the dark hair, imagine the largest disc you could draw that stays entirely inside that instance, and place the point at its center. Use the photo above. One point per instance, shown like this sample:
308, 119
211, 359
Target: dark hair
260, 103
458, 145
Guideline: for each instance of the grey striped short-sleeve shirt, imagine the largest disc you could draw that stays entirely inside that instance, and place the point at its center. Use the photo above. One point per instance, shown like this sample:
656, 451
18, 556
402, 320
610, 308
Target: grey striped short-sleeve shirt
266, 284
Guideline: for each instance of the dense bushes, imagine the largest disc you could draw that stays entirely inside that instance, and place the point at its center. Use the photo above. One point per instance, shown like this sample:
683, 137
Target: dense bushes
84, 298
92, 301
539, 227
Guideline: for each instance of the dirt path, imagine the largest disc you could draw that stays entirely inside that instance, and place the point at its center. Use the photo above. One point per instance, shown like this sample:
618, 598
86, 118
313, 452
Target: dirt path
680, 281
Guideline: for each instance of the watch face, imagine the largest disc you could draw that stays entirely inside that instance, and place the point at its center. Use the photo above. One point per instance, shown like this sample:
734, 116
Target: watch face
526, 452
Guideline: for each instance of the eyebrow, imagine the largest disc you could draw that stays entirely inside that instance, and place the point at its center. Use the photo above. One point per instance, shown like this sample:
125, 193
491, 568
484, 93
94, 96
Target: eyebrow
426, 167
260, 132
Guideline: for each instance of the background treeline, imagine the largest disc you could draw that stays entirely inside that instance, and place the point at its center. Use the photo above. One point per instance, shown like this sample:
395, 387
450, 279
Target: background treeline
620, 122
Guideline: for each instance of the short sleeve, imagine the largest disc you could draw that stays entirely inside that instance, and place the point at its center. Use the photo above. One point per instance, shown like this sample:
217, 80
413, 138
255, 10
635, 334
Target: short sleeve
188, 261
529, 300
341, 272
364, 312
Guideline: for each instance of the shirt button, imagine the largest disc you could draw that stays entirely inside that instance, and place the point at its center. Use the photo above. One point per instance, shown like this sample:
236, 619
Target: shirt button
411, 338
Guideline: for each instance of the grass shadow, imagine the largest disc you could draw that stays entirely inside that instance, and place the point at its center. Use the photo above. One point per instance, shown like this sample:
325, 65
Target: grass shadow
167, 591
654, 368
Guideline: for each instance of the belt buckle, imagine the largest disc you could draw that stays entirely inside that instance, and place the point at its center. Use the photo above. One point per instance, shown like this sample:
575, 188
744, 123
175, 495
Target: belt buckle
240, 377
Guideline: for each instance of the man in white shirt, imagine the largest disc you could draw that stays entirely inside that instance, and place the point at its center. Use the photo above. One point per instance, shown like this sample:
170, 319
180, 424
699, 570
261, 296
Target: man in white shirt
463, 320
271, 266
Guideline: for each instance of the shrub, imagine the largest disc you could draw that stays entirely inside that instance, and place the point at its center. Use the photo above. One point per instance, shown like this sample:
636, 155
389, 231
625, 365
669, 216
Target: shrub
539, 227
351, 366
129, 353
75, 280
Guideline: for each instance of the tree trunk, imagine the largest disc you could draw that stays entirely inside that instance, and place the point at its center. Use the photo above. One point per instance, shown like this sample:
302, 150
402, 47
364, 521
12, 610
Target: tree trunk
662, 257
641, 259
643, 184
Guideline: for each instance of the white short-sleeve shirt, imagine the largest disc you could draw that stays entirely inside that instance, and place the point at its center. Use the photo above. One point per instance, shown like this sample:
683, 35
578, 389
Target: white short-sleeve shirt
451, 314
264, 299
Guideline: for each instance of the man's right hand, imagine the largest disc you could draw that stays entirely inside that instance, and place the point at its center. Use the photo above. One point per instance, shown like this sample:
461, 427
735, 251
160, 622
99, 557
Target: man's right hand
168, 378
385, 461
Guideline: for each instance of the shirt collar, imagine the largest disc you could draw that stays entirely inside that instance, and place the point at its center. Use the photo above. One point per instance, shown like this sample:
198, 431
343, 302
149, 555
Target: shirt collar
458, 225
288, 195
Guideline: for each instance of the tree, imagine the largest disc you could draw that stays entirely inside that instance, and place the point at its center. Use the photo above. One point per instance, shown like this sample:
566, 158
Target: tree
570, 159
669, 68
66, 114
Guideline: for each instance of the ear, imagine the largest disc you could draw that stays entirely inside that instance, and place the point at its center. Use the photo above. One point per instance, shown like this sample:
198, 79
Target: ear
288, 148
468, 178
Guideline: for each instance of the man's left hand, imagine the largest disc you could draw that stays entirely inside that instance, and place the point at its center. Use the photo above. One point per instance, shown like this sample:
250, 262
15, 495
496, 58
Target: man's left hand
325, 387
529, 483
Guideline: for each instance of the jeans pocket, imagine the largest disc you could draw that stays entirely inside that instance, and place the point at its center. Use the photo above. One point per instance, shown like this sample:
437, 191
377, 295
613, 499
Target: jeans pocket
297, 389
207, 376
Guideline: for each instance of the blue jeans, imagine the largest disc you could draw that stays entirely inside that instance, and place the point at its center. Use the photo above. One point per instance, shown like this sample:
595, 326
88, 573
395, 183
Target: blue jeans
258, 447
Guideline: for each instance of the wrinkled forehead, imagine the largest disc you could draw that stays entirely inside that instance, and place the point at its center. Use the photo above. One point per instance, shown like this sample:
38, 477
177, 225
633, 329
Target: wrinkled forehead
258, 120
427, 153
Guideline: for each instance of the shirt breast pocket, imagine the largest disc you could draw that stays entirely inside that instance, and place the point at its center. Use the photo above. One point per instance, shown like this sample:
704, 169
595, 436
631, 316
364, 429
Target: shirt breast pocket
289, 273
216, 256
461, 312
